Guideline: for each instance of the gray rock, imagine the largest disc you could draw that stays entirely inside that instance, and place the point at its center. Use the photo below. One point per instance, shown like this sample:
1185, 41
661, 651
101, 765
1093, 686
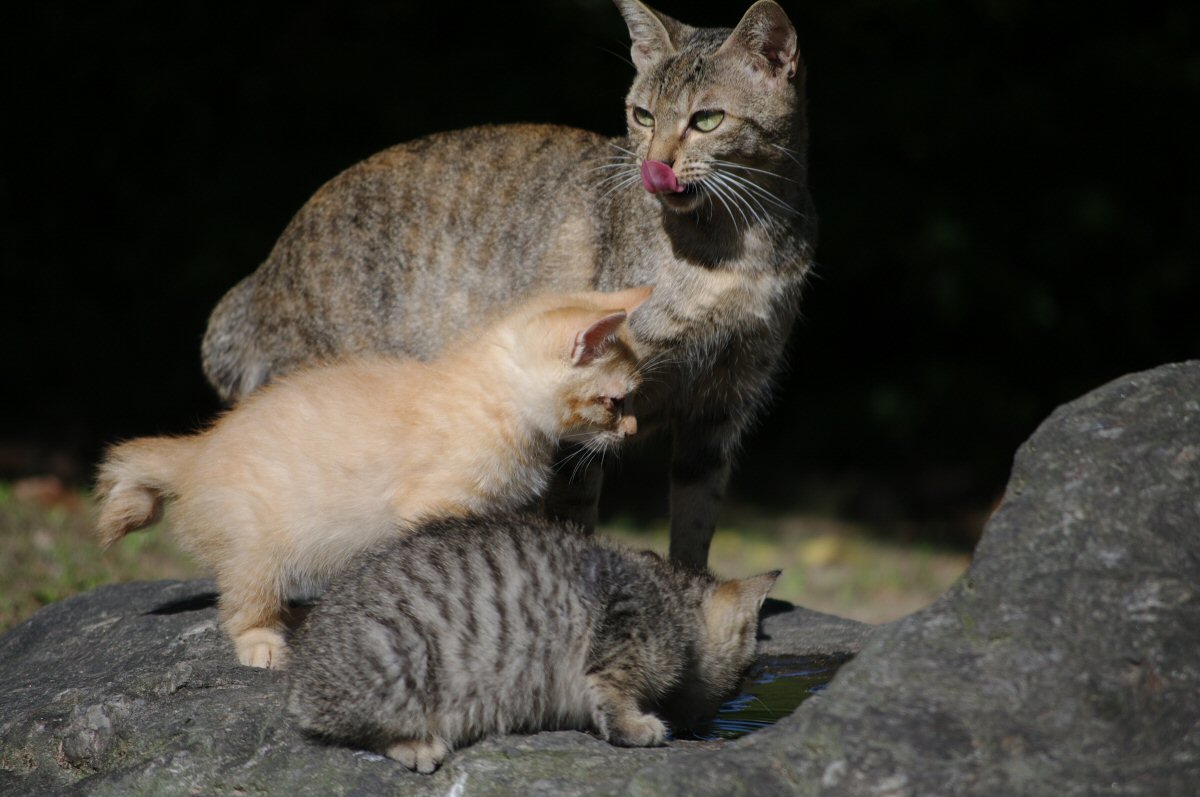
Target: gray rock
132, 689
1064, 662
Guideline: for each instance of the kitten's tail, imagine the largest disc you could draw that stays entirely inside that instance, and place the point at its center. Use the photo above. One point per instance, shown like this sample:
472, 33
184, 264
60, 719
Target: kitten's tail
133, 480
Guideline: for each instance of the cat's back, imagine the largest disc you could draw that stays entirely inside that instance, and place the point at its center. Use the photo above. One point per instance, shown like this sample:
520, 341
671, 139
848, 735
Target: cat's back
400, 251
473, 200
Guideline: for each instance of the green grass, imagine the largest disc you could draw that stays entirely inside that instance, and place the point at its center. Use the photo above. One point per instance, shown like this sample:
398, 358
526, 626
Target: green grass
47, 553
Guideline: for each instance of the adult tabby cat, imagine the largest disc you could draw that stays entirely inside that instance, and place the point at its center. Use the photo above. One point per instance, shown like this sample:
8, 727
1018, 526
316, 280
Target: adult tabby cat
705, 198
470, 627
285, 488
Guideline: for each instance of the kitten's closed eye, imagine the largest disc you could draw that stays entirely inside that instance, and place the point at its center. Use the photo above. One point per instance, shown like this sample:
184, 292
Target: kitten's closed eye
614, 403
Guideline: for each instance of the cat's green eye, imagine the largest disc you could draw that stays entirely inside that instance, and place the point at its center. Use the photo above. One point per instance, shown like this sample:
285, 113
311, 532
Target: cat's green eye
707, 121
643, 117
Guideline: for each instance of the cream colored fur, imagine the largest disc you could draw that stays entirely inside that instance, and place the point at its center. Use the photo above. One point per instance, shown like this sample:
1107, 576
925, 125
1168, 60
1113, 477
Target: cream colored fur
279, 493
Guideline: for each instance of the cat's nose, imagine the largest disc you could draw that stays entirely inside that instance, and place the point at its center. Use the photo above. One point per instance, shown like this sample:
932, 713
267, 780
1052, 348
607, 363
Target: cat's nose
659, 178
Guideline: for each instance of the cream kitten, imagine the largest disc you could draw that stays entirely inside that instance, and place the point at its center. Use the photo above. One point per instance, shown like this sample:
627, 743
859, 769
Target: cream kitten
284, 489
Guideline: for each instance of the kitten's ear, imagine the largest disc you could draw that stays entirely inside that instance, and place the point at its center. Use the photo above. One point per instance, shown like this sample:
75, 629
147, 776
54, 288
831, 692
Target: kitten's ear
651, 33
754, 590
629, 299
767, 37
736, 602
593, 341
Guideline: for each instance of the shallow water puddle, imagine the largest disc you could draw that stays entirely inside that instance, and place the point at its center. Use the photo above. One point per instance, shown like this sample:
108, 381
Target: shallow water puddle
772, 689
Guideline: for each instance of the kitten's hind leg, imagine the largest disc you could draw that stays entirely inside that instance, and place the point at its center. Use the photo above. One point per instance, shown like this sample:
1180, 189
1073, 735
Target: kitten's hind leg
574, 493
420, 755
251, 612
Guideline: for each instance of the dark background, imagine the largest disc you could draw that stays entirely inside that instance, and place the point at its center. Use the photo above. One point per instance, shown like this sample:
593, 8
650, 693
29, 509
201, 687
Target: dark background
1007, 191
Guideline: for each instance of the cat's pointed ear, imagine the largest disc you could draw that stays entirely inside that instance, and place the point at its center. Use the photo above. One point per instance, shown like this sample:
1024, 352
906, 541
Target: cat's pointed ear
754, 590
595, 339
738, 601
652, 34
766, 41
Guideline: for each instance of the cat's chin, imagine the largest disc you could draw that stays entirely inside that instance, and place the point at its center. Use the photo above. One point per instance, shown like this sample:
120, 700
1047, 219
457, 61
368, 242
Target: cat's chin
687, 201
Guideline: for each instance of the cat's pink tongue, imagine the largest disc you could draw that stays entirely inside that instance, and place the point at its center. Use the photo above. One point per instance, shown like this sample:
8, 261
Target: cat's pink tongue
658, 178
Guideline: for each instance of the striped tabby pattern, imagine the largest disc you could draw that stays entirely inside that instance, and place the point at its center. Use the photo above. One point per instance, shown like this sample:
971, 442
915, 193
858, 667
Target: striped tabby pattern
705, 198
470, 627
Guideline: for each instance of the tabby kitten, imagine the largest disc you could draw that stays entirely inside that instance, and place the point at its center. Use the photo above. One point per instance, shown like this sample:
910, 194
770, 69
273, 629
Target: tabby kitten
470, 627
705, 198
284, 489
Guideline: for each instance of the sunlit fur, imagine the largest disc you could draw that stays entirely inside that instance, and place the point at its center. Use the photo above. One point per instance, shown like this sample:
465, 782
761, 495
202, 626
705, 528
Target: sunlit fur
400, 250
479, 626
279, 493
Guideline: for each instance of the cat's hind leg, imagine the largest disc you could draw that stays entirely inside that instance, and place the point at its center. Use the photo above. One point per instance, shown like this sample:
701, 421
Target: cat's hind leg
420, 755
252, 612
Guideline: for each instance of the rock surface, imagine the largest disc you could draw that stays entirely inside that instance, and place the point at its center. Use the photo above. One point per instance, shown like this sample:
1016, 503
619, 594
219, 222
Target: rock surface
133, 689
1066, 661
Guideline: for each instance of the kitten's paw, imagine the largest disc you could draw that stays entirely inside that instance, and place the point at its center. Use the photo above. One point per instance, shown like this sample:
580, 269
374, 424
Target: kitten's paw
261, 647
638, 730
424, 756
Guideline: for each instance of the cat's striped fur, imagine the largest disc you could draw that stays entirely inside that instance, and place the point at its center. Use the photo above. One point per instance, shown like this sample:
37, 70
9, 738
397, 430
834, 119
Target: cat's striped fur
397, 251
470, 627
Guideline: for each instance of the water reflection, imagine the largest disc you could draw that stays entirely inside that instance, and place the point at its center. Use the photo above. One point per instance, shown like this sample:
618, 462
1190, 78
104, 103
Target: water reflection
773, 688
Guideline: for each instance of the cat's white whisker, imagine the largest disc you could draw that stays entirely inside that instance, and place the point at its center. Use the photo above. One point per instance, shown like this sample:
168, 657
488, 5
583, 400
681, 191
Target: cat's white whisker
614, 178
711, 185
629, 152
739, 189
791, 153
723, 189
761, 191
767, 172
628, 183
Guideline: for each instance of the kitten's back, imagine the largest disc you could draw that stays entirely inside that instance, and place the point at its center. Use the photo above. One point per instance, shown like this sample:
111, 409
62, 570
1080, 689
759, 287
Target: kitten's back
461, 629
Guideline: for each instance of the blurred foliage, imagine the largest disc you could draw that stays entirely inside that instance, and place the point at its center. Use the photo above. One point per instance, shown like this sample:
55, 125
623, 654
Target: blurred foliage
1007, 193
47, 553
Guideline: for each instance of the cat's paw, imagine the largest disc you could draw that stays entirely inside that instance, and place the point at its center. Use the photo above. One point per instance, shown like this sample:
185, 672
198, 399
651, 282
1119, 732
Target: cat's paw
638, 730
421, 755
261, 647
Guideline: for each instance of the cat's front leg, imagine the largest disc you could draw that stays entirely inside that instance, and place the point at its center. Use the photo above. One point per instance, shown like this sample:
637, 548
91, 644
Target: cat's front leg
619, 720
574, 492
419, 755
701, 461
